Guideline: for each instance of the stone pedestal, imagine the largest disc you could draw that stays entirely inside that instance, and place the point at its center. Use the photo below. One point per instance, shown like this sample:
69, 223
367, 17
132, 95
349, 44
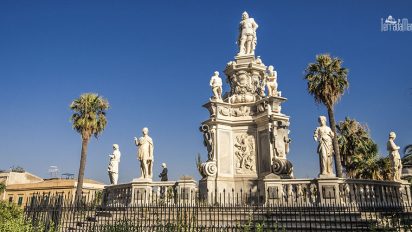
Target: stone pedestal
405, 191
186, 188
272, 189
328, 189
142, 190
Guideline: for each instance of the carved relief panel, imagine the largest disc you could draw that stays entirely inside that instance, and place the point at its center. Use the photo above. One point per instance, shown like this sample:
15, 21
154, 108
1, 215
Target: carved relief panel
245, 154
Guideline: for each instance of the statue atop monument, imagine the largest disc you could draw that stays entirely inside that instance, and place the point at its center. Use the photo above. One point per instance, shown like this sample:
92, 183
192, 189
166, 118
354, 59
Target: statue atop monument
324, 135
216, 85
145, 153
113, 168
247, 35
394, 156
271, 81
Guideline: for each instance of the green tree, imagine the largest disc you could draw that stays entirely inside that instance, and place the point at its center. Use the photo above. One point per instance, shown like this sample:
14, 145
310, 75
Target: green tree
89, 119
2, 187
327, 82
360, 155
17, 169
12, 220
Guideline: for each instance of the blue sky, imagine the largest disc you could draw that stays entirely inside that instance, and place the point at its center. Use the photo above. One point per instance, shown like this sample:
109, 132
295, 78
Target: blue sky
153, 60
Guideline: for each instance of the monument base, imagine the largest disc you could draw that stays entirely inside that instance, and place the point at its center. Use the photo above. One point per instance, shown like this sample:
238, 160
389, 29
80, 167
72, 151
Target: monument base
215, 189
141, 191
328, 188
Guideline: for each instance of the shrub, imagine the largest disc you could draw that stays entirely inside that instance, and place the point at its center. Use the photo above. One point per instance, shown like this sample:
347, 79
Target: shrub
12, 219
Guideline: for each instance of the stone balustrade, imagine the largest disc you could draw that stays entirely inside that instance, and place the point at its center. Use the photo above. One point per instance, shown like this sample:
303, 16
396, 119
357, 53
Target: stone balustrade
143, 191
335, 191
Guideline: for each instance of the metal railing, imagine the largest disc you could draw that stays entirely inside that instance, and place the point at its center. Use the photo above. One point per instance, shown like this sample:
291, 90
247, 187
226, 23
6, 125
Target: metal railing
229, 211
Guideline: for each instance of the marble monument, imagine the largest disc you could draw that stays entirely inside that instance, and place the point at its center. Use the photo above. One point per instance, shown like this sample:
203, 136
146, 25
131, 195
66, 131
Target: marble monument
246, 135
394, 156
113, 168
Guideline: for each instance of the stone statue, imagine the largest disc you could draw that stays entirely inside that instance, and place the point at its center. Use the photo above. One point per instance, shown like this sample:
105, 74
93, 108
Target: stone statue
113, 168
163, 174
271, 82
247, 35
208, 137
163, 177
216, 84
323, 134
393, 150
145, 153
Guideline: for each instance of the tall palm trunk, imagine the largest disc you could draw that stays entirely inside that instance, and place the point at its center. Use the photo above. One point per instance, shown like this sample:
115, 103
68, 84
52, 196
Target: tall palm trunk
80, 177
338, 164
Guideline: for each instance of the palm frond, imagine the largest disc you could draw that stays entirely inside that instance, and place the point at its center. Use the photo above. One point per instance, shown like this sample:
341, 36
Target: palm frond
327, 79
89, 114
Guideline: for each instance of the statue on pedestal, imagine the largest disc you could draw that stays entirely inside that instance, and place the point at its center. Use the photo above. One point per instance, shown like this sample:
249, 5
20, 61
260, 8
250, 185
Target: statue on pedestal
216, 84
323, 134
271, 82
145, 153
247, 35
394, 156
113, 168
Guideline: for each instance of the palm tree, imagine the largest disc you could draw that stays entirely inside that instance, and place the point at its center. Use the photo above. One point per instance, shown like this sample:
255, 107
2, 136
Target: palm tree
407, 161
88, 118
353, 140
360, 153
327, 81
407, 158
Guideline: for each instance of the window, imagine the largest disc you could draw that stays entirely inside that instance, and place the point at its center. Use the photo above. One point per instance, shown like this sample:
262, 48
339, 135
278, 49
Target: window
10, 199
20, 201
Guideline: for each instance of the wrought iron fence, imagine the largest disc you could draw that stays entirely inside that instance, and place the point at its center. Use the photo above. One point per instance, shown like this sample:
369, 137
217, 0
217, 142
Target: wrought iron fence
228, 211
